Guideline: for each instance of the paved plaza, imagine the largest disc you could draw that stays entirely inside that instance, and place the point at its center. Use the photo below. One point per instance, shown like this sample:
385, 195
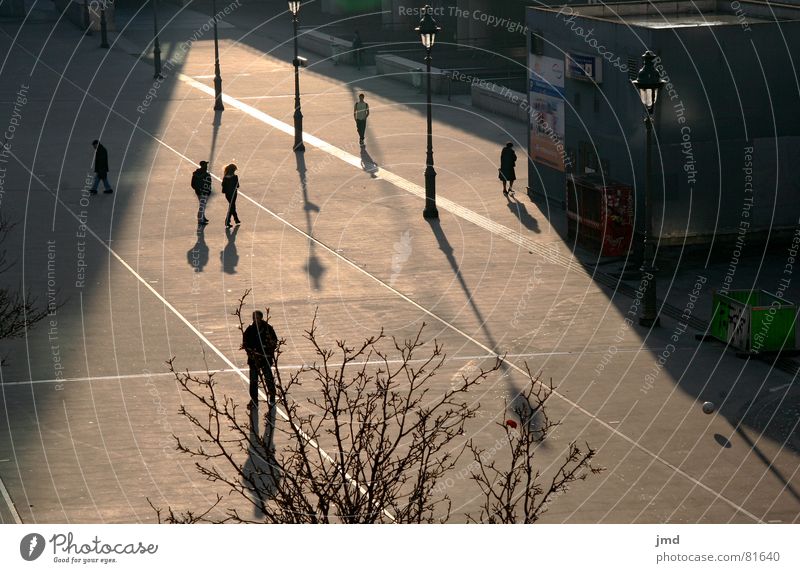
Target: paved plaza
87, 405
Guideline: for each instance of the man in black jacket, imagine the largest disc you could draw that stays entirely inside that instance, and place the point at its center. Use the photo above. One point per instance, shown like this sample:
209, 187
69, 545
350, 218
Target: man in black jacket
100, 168
201, 183
260, 343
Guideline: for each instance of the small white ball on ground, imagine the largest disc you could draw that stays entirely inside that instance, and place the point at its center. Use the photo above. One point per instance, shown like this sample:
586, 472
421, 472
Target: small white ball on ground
708, 407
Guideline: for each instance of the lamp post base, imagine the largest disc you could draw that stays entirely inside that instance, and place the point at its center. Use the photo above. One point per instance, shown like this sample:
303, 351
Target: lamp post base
298, 130
430, 212
648, 314
218, 92
649, 322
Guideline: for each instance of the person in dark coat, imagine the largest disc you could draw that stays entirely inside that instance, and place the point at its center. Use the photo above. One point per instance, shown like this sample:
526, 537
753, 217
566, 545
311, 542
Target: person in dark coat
508, 159
230, 185
201, 183
360, 114
100, 168
260, 342
357, 45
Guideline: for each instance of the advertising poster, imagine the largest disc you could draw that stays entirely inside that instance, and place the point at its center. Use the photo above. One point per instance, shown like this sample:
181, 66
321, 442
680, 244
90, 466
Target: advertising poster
546, 98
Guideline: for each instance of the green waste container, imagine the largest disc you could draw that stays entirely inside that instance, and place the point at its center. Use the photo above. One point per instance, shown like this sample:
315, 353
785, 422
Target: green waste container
753, 321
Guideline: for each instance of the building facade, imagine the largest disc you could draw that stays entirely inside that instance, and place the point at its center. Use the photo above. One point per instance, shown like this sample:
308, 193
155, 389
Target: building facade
727, 134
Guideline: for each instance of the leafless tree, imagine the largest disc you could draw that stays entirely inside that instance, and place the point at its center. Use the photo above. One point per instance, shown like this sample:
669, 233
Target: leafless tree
18, 311
512, 488
367, 444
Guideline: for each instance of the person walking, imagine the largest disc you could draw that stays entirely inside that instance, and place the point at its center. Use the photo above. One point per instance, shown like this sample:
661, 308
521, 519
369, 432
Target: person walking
100, 168
230, 186
357, 45
201, 183
260, 342
360, 114
508, 159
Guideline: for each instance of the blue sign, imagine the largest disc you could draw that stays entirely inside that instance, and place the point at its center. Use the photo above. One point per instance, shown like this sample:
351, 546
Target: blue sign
581, 67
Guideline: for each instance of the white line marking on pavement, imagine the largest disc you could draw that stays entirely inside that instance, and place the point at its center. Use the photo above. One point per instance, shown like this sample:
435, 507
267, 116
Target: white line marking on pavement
10, 503
459, 211
298, 366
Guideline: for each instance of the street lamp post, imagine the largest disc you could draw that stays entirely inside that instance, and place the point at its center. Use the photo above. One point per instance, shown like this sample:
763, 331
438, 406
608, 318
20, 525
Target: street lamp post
649, 83
294, 8
103, 26
217, 77
427, 30
156, 46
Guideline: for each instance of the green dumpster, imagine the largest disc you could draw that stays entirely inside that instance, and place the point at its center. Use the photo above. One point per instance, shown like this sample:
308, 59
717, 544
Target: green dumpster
753, 321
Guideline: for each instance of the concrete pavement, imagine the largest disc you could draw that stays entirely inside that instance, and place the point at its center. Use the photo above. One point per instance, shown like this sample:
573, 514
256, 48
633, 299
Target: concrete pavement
329, 231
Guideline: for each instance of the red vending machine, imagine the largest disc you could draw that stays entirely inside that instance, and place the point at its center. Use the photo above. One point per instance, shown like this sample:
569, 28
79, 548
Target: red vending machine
600, 214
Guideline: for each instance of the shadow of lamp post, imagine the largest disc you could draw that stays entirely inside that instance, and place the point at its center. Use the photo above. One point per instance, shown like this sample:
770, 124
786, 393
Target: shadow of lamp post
103, 26
87, 19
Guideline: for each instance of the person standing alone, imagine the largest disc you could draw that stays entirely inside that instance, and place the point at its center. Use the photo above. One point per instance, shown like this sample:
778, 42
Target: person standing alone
201, 183
260, 342
357, 45
508, 159
100, 168
360, 114
230, 186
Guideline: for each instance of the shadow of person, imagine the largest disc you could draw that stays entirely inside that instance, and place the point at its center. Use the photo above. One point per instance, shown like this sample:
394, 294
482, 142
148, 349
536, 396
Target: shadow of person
261, 472
197, 256
229, 256
530, 416
519, 210
367, 163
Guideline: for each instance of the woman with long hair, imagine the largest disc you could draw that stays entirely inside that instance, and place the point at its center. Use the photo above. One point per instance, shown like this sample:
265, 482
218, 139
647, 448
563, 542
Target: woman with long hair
230, 186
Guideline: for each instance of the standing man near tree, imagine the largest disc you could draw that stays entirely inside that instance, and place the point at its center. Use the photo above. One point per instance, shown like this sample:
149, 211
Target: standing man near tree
100, 168
360, 114
260, 342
